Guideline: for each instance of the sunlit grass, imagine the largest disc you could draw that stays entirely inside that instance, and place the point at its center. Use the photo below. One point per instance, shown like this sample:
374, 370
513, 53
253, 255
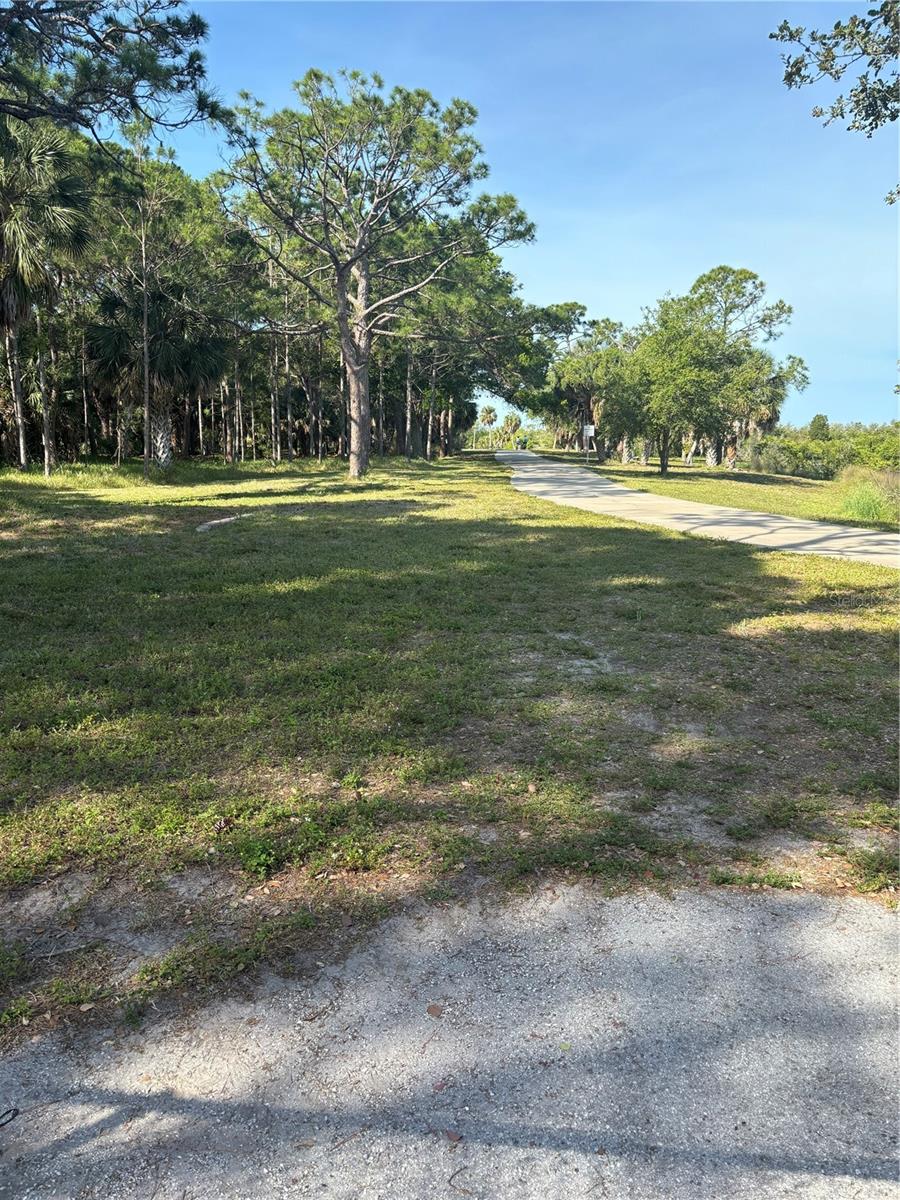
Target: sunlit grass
420, 678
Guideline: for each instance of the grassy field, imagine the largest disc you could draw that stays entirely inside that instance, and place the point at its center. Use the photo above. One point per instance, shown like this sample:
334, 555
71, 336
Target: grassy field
220, 746
816, 499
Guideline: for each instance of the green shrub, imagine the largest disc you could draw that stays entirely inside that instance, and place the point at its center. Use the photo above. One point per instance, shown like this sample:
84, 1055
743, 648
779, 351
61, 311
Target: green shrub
866, 503
258, 856
873, 495
790, 451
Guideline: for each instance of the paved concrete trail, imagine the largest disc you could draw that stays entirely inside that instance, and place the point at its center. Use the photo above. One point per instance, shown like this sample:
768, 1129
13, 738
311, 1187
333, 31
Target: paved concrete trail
580, 488
709, 1045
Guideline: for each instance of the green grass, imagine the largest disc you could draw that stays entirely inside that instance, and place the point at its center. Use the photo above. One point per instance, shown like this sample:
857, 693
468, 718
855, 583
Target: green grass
849, 502
864, 503
875, 870
361, 691
772, 879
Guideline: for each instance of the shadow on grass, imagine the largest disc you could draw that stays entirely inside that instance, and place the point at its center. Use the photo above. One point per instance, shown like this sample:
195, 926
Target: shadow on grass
342, 632
168, 693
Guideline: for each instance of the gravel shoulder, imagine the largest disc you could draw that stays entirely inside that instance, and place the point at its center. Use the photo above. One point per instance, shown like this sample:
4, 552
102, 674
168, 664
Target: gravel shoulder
551, 1045
579, 488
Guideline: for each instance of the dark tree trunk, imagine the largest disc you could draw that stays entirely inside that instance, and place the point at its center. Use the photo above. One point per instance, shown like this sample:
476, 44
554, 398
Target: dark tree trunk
664, 452
87, 441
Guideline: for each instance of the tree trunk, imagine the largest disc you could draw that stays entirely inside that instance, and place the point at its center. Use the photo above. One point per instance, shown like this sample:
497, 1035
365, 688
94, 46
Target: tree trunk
273, 400
380, 409
45, 402
145, 346
713, 452
646, 451
15, 384
356, 348
320, 405
200, 422
627, 451
288, 398
161, 425
663, 452
342, 404
407, 438
123, 420
186, 426
320, 421
239, 415
87, 448
225, 408
360, 417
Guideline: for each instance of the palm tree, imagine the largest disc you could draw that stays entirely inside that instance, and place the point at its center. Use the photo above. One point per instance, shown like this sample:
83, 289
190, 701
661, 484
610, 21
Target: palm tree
488, 418
183, 355
43, 224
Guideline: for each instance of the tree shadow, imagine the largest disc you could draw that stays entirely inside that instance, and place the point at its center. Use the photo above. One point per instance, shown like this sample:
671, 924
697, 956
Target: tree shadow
703, 1046
136, 642
156, 678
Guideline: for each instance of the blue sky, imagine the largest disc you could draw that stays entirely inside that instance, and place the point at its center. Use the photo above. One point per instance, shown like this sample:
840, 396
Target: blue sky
648, 142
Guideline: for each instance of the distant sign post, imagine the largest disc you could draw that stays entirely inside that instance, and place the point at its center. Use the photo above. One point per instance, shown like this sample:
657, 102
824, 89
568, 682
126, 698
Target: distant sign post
587, 433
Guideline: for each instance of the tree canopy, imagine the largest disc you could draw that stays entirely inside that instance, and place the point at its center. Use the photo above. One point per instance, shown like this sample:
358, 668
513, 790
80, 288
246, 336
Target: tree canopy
870, 41
85, 63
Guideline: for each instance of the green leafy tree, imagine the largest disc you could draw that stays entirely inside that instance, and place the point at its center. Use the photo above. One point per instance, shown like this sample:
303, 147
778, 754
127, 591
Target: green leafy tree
733, 303
733, 300
167, 269
377, 189
680, 367
593, 380
182, 352
44, 212
819, 430
870, 40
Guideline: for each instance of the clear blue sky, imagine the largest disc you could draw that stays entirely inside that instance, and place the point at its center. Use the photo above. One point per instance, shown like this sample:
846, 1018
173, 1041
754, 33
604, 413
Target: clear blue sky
648, 141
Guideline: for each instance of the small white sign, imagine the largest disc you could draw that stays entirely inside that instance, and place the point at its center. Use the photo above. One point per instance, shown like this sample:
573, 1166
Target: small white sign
589, 431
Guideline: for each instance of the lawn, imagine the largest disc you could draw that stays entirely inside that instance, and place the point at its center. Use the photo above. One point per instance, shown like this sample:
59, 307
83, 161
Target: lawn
815, 499
220, 746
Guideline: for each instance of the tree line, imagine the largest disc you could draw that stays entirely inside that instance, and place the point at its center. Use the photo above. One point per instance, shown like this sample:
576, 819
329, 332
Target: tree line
337, 288
695, 375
